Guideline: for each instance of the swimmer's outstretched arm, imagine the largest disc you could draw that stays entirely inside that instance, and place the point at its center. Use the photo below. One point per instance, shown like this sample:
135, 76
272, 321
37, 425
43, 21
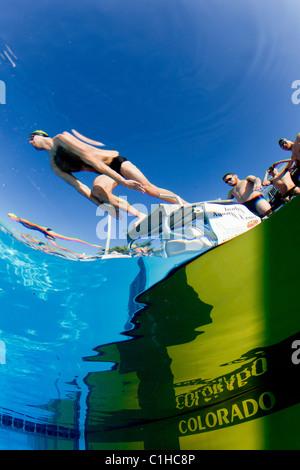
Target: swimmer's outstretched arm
89, 155
70, 142
85, 139
31, 225
72, 181
82, 189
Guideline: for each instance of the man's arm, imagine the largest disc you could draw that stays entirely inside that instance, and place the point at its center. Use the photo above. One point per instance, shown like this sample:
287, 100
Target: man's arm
256, 182
29, 224
84, 190
284, 171
86, 139
71, 142
230, 195
72, 181
32, 226
265, 181
281, 161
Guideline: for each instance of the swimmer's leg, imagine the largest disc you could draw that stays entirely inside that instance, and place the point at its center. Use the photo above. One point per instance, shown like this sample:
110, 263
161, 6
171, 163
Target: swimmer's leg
103, 189
130, 171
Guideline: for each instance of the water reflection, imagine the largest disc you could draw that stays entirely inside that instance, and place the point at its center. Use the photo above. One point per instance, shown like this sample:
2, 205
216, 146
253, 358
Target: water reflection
53, 312
140, 388
169, 388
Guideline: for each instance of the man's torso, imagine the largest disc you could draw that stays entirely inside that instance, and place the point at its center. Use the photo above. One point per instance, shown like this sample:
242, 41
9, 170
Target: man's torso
243, 191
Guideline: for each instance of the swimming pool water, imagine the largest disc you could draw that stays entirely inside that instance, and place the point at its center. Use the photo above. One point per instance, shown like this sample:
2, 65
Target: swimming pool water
151, 353
55, 312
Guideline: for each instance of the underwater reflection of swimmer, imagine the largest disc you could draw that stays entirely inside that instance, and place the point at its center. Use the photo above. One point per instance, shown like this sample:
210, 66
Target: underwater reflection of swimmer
36, 244
132, 402
48, 232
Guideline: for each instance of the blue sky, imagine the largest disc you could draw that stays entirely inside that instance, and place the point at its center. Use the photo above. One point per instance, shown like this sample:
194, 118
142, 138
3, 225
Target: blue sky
185, 89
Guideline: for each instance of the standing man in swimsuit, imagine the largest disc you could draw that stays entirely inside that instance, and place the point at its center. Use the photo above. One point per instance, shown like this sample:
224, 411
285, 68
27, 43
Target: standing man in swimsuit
284, 184
294, 161
69, 154
247, 192
294, 147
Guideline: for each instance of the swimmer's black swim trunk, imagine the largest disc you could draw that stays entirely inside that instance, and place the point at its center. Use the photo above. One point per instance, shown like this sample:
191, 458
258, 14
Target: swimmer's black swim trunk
116, 164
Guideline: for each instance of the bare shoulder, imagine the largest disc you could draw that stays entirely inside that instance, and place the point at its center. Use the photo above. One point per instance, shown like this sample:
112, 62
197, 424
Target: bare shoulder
57, 137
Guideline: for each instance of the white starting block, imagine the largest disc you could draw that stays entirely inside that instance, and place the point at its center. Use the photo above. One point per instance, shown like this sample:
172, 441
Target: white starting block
198, 227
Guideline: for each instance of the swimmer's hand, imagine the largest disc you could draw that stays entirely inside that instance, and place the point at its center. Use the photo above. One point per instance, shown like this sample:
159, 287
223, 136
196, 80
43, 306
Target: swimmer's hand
131, 184
257, 184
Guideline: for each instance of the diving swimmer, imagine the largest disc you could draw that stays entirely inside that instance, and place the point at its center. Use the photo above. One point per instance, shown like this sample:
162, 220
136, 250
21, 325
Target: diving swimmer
47, 232
70, 154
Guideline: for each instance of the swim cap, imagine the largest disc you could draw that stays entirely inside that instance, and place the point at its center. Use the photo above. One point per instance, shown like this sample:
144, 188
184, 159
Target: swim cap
12, 216
282, 142
42, 133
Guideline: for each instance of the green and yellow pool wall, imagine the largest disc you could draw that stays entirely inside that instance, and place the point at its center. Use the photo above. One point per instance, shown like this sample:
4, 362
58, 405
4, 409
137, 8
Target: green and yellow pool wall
210, 361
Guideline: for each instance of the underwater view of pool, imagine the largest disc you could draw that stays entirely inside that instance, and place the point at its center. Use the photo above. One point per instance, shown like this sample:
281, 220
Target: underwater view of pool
55, 313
